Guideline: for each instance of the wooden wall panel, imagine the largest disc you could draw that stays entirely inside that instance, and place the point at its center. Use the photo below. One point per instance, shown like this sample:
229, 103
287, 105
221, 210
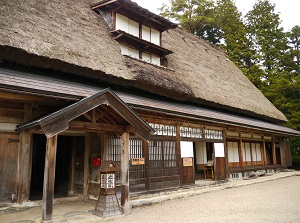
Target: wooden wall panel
8, 164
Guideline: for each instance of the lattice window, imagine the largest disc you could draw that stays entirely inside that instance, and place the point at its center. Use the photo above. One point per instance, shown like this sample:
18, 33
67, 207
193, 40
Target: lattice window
135, 151
162, 158
190, 132
213, 134
164, 130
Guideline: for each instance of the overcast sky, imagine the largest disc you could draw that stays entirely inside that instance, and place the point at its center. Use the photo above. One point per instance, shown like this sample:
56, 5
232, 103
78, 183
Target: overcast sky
289, 9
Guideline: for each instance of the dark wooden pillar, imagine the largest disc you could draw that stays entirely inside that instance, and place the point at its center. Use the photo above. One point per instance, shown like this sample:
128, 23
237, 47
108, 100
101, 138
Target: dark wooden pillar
274, 154
24, 167
49, 179
146, 155
72, 168
24, 159
86, 169
178, 154
241, 150
125, 206
264, 153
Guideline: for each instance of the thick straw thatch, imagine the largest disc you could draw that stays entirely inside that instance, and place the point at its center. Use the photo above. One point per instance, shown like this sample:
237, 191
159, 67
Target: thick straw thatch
68, 36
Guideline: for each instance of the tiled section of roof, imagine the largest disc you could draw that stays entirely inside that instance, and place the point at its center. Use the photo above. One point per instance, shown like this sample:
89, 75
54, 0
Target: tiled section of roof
35, 83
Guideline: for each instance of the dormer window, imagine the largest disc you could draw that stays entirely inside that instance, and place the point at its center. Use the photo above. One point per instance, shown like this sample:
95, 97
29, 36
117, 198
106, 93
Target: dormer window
136, 29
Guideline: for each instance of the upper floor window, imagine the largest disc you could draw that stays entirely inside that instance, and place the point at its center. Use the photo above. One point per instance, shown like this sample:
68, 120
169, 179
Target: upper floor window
136, 29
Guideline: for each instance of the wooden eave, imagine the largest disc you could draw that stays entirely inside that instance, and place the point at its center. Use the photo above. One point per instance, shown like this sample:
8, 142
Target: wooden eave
139, 44
66, 118
136, 13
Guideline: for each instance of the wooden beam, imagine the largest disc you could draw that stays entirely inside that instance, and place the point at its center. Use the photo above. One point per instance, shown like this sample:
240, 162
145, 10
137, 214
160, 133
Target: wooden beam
125, 207
86, 169
96, 127
49, 179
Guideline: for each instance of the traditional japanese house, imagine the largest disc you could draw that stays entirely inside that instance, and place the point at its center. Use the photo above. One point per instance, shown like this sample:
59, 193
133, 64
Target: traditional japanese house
84, 81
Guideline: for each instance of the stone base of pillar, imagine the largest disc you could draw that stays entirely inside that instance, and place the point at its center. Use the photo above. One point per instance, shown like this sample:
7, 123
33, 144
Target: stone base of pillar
107, 205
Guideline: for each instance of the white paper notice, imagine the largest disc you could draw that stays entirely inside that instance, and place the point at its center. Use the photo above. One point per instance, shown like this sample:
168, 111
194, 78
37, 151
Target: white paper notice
186, 149
219, 150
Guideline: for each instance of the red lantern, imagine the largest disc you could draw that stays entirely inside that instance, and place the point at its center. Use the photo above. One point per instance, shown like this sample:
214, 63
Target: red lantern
96, 161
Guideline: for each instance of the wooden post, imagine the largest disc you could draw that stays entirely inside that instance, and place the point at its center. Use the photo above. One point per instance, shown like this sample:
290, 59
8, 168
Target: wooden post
72, 168
264, 153
86, 171
241, 154
146, 155
125, 206
178, 154
274, 153
49, 179
24, 159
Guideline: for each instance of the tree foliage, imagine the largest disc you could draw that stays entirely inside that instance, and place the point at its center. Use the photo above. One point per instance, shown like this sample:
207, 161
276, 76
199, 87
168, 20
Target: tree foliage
256, 43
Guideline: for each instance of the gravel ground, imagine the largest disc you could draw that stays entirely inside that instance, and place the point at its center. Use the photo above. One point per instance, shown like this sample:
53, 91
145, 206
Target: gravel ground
274, 201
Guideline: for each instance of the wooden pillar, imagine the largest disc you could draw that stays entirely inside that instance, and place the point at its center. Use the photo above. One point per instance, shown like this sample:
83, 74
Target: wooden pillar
241, 148
146, 155
178, 154
125, 206
274, 154
72, 168
86, 169
24, 159
49, 179
264, 153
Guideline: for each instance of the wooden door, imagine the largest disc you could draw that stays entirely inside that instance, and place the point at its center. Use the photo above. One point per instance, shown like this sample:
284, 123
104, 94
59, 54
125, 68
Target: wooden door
188, 176
8, 165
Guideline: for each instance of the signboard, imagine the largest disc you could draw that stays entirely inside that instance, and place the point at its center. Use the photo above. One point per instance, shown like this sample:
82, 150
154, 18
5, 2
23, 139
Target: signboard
138, 161
186, 149
187, 161
219, 150
108, 180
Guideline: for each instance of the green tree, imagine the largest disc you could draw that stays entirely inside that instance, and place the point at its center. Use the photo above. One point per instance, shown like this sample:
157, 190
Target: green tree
269, 40
195, 16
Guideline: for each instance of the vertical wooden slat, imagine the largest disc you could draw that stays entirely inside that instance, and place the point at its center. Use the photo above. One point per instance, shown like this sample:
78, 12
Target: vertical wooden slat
49, 179
125, 175
86, 170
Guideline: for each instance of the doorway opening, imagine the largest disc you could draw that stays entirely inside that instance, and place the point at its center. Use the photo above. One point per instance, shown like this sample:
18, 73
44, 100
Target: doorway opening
62, 170
269, 153
204, 157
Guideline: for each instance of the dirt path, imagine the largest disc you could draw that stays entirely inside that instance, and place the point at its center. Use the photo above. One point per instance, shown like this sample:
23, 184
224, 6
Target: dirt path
274, 201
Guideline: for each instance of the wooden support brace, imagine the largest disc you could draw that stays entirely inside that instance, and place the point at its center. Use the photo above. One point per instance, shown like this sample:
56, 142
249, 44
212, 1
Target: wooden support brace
125, 206
49, 179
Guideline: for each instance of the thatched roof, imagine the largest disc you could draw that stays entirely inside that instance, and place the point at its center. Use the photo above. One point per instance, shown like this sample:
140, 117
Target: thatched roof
69, 37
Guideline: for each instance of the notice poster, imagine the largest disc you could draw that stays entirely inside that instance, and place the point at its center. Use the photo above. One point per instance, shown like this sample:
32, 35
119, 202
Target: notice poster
219, 150
186, 149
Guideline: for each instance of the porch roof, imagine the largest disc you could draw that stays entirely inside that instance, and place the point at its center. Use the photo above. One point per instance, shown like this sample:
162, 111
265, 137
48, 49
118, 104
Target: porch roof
59, 121
15, 81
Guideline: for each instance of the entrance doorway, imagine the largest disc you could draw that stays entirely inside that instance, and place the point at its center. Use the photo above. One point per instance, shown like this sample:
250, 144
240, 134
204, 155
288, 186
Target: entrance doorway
269, 153
203, 159
62, 170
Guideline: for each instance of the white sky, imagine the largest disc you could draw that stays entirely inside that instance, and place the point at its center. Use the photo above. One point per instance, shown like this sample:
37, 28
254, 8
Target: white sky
289, 9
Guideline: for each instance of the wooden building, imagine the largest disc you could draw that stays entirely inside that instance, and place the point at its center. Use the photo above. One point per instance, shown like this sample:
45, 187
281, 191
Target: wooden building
84, 81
